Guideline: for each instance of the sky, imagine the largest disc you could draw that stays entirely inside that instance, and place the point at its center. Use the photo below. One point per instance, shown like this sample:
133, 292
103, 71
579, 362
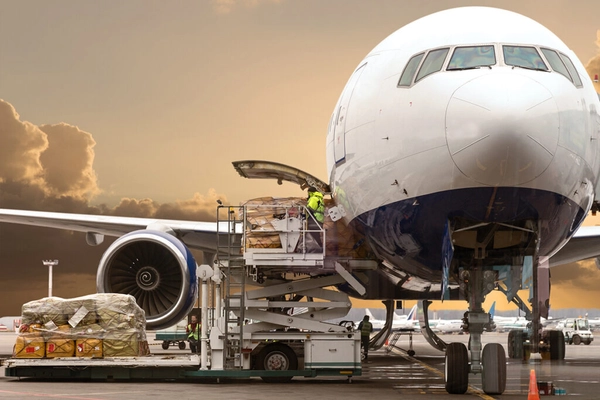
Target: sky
139, 107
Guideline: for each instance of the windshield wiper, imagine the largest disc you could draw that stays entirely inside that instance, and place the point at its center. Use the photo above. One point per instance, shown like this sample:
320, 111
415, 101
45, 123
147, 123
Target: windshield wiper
466, 68
529, 68
463, 68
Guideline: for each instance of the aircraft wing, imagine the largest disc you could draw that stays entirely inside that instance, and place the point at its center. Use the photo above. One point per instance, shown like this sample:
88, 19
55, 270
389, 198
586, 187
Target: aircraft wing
197, 235
583, 245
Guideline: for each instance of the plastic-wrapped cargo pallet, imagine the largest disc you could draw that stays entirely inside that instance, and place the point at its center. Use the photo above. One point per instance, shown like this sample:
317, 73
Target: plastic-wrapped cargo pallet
98, 325
261, 212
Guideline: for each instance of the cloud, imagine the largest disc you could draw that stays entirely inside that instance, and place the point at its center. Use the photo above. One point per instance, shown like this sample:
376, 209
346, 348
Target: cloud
54, 159
68, 161
593, 66
21, 144
227, 6
198, 208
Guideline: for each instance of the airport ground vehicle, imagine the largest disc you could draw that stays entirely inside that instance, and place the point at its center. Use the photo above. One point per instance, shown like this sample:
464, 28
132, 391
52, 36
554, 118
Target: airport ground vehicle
267, 301
576, 331
175, 335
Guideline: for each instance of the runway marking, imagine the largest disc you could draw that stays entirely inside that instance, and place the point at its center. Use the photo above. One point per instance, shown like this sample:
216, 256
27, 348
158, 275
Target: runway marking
471, 389
60, 396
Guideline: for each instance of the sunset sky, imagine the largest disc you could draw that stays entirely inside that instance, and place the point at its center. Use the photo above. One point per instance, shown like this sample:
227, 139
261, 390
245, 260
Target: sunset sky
139, 107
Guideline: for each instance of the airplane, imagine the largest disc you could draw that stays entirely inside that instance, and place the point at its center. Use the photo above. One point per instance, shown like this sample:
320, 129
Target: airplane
594, 323
456, 325
463, 151
378, 324
408, 321
504, 324
448, 326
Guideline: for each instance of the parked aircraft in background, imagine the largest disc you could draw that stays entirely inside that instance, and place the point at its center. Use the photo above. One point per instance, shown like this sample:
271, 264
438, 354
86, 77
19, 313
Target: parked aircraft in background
505, 324
594, 323
408, 321
446, 326
463, 152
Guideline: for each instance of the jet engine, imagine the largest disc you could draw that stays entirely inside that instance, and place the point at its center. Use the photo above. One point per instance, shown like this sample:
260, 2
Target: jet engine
155, 268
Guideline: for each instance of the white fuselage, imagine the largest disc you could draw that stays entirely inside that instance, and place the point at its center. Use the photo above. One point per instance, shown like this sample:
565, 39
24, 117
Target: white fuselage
493, 143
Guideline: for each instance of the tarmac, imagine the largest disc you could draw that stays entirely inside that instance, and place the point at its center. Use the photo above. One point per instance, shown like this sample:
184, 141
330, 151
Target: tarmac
390, 375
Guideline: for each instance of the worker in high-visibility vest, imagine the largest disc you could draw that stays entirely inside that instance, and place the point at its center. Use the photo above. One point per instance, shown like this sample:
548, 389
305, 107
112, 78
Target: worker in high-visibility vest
316, 206
193, 331
365, 328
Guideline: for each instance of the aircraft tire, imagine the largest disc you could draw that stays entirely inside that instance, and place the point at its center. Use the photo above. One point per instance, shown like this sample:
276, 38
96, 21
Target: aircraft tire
515, 344
556, 340
456, 368
510, 345
277, 357
493, 376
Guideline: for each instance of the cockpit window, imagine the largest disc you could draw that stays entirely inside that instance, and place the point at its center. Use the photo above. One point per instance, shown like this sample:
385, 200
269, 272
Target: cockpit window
433, 63
556, 63
523, 57
472, 57
409, 72
572, 70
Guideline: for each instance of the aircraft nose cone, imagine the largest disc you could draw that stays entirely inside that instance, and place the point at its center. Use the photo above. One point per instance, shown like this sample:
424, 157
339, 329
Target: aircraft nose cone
502, 129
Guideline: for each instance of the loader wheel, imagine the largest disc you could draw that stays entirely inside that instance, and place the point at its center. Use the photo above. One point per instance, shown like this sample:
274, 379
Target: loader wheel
576, 340
277, 357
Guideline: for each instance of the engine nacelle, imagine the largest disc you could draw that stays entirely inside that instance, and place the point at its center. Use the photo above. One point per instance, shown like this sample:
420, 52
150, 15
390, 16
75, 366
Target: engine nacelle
155, 268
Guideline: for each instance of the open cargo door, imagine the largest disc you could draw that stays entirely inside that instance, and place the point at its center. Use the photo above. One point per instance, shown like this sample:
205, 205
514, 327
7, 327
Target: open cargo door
254, 169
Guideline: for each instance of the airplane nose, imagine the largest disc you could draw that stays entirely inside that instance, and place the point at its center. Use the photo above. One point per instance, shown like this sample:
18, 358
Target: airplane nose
502, 129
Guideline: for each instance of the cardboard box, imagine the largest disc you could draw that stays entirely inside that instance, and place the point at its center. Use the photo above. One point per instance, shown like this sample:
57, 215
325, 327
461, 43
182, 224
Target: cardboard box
88, 348
30, 345
60, 348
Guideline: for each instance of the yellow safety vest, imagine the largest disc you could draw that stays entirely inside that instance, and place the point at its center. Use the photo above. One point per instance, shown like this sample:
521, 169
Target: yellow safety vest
316, 205
194, 333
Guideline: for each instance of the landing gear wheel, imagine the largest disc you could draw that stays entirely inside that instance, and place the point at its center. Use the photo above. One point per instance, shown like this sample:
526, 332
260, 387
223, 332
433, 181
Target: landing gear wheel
181, 345
493, 375
277, 357
515, 344
165, 345
510, 344
556, 340
456, 368
576, 340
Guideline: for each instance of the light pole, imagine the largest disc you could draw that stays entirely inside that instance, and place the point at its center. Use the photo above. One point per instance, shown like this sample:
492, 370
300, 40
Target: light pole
50, 264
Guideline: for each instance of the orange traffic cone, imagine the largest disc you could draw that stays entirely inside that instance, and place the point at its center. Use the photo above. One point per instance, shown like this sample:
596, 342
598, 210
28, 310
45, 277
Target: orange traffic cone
534, 394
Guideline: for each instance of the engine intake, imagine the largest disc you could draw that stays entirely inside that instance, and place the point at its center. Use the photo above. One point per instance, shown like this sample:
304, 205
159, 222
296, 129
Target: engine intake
157, 269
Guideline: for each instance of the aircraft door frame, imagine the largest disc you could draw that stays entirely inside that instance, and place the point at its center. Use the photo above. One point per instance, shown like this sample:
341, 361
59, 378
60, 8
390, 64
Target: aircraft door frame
339, 128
